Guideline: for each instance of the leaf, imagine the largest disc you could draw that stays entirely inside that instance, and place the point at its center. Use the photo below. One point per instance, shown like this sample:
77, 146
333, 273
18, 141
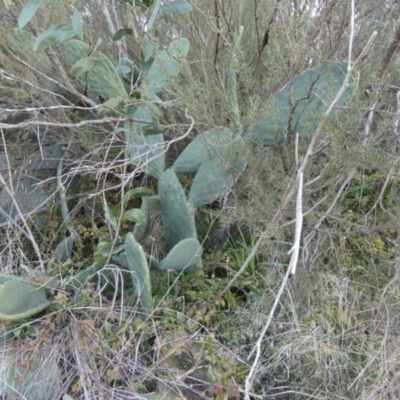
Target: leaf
147, 48
121, 33
153, 16
64, 250
312, 92
134, 215
167, 65
102, 78
218, 157
84, 65
110, 214
77, 23
137, 192
145, 150
137, 262
111, 104
28, 12
53, 36
184, 254
67, 397
7, 4
176, 7
19, 300
57, 4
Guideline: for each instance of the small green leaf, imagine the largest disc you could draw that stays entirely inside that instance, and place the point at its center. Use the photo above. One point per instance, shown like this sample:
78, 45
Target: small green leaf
84, 65
168, 64
147, 48
176, 7
136, 260
57, 4
77, 23
121, 33
134, 215
110, 213
67, 397
28, 12
53, 36
7, 4
184, 254
153, 16
111, 104
19, 300
137, 192
64, 250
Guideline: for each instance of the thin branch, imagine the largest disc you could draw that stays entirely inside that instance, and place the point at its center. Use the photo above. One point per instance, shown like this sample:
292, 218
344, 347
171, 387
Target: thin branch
299, 226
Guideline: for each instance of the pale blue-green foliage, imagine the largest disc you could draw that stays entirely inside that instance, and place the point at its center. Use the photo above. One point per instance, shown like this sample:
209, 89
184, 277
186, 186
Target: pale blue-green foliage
19, 299
127, 72
218, 157
166, 66
146, 151
150, 207
310, 93
137, 263
178, 218
102, 77
185, 253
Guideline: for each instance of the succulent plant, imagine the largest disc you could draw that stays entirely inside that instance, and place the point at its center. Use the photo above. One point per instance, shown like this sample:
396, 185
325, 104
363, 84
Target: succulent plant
19, 299
300, 104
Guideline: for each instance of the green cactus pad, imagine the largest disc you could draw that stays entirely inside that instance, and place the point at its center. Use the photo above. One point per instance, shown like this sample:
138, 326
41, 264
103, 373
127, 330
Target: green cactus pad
143, 148
137, 264
312, 92
102, 77
178, 219
150, 206
167, 65
218, 157
20, 300
187, 252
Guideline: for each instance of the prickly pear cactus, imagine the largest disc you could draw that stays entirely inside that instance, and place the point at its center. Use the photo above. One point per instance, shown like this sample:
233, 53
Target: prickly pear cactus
136, 259
102, 77
218, 157
178, 218
20, 300
146, 151
311, 93
187, 252
166, 66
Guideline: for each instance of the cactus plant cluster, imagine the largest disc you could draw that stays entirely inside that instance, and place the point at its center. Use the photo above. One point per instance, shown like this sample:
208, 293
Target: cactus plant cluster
217, 157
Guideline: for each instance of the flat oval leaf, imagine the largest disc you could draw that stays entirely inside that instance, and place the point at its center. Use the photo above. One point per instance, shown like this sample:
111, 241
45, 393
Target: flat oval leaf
147, 48
184, 254
121, 33
28, 12
137, 192
134, 215
19, 300
176, 7
167, 65
137, 263
7, 4
84, 65
311, 91
110, 213
77, 23
53, 36
153, 16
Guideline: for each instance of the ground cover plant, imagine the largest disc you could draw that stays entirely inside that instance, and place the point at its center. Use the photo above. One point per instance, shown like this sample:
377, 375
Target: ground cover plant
199, 200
